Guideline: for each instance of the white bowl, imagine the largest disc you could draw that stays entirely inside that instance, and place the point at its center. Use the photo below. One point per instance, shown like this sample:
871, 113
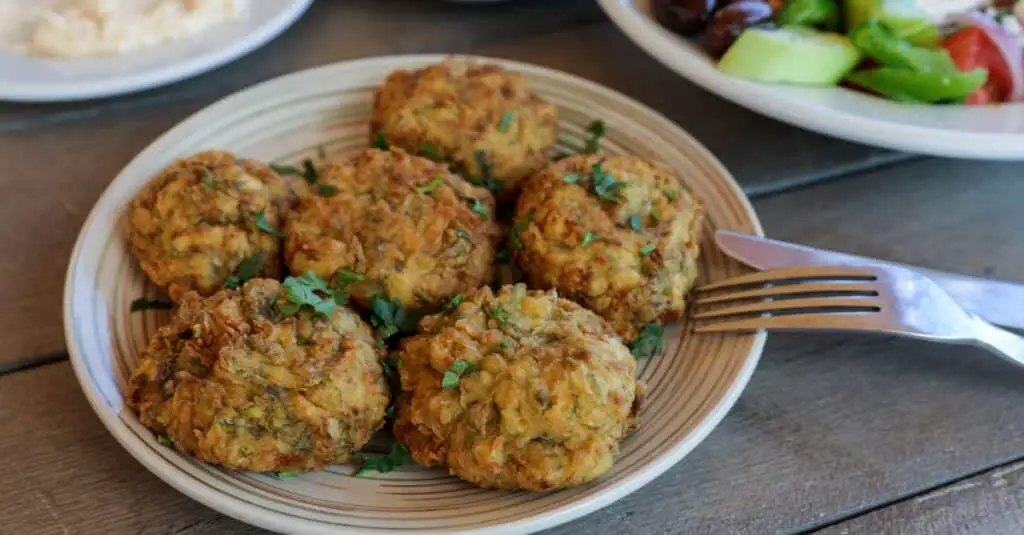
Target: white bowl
983, 132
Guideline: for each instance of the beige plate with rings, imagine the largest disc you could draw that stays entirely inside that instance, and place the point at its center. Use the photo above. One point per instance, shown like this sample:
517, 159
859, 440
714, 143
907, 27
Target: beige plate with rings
691, 386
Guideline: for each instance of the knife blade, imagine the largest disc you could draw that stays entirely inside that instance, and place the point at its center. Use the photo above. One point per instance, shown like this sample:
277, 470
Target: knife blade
998, 302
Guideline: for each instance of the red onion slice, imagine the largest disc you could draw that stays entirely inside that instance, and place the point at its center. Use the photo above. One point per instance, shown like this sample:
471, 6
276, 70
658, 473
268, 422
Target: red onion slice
1007, 45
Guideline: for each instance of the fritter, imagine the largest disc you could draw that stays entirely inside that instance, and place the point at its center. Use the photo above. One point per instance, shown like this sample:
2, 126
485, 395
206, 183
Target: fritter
617, 234
396, 224
519, 390
202, 216
481, 118
235, 383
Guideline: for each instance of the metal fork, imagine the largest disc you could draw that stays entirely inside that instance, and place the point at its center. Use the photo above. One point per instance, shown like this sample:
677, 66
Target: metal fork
882, 299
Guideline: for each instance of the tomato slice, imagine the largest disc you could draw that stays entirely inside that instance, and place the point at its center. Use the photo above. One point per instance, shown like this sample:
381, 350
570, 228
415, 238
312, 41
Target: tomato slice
970, 49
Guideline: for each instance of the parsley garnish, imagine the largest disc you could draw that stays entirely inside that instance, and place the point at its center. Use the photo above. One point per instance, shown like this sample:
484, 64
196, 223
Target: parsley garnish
455, 372
164, 440
655, 217
326, 190
503, 343
384, 463
500, 314
388, 317
647, 249
572, 178
515, 238
478, 207
207, 179
265, 226
634, 223
150, 304
485, 180
671, 194
453, 303
380, 142
596, 130
248, 268
589, 237
605, 184
506, 121
649, 343
342, 278
286, 475
286, 170
308, 171
307, 290
388, 365
430, 186
427, 150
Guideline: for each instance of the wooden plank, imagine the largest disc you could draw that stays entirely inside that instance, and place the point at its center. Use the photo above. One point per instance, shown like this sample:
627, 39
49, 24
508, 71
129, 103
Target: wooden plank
334, 31
987, 504
829, 426
763, 154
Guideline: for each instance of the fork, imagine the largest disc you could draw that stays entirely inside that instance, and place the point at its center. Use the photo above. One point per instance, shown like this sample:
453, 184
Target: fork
882, 299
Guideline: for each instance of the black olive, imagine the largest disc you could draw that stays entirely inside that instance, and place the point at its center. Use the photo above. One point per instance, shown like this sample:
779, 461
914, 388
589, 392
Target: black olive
729, 22
686, 17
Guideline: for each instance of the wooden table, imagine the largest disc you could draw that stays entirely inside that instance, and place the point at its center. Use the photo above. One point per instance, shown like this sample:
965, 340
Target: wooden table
835, 434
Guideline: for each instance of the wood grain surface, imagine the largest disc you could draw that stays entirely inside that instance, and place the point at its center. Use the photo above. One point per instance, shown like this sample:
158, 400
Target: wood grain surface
830, 426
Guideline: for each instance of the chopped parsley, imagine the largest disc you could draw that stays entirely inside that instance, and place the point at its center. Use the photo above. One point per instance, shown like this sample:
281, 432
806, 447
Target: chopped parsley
307, 290
655, 217
427, 150
605, 185
506, 121
390, 366
453, 303
503, 344
308, 171
572, 178
389, 317
671, 194
455, 372
499, 313
248, 268
596, 130
384, 463
649, 343
207, 179
326, 190
286, 475
516, 237
265, 226
380, 142
150, 304
478, 207
589, 237
429, 187
647, 249
339, 284
164, 440
486, 180
634, 223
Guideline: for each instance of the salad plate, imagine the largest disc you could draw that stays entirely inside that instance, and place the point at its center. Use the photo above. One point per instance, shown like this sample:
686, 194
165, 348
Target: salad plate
994, 132
324, 113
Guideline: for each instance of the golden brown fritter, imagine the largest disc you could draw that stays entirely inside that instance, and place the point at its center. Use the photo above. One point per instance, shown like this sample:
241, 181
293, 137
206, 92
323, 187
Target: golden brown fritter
413, 229
232, 382
617, 234
483, 119
547, 391
197, 220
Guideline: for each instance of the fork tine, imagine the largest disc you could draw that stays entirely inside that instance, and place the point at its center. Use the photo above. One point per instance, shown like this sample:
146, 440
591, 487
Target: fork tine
797, 272
842, 321
776, 291
866, 304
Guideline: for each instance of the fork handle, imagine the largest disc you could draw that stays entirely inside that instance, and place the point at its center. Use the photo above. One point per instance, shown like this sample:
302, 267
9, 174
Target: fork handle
999, 341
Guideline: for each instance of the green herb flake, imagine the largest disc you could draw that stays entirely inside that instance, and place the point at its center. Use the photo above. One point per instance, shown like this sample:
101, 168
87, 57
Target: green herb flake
306, 290
605, 185
429, 187
390, 411
671, 194
286, 170
589, 237
384, 463
479, 207
572, 178
516, 237
286, 475
454, 303
455, 372
647, 249
503, 344
389, 317
150, 304
207, 179
326, 190
389, 369
309, 171
506, 121
499, 313
381, 142
164, 440
649, 343
248, 268
596, 130
265, 226
486, 179
428, 151
655, 217
634, 223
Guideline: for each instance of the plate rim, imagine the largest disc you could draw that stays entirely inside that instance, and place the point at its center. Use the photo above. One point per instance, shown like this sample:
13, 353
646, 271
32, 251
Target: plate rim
234, 507
659, 43
160, 75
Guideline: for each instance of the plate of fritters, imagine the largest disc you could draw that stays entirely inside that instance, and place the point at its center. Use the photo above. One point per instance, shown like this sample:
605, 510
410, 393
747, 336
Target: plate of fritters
409, 294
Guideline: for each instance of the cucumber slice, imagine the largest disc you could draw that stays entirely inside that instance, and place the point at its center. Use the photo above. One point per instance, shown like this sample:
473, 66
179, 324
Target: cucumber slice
790, 55
904, 17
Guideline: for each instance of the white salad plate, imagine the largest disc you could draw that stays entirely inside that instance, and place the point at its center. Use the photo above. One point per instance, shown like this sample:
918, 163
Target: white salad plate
983, 132
27, 78
324, 113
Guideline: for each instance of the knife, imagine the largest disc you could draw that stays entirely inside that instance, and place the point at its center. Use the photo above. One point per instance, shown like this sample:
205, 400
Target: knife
998, 302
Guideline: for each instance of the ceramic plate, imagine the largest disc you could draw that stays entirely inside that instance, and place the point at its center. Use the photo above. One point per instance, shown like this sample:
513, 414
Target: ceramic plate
691, 386
986, 132
32, 79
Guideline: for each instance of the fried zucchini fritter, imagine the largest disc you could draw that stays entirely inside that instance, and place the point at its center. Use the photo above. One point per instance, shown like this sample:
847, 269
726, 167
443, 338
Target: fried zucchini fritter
411, 228
200, 217
519, 390
617, 234
483, 119
232, 382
